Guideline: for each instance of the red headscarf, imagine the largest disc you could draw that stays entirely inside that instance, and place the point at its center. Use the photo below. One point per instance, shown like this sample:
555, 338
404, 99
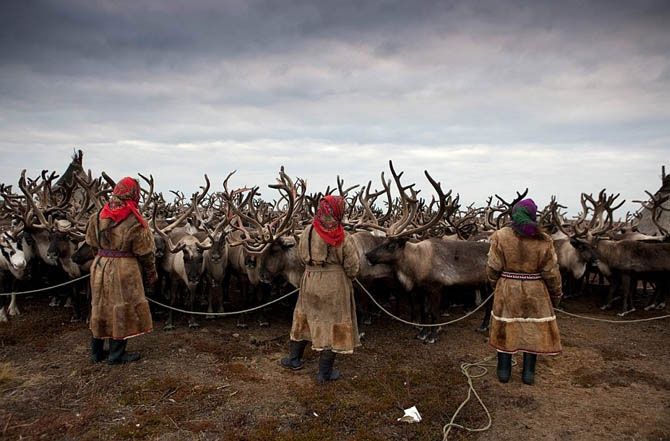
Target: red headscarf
328, 220
125, 197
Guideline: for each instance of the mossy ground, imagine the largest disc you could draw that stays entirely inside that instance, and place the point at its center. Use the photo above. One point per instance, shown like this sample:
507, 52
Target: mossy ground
223, 383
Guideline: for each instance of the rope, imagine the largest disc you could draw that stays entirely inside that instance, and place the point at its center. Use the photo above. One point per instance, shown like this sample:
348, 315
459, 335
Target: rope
465, 369
429, 325
487, 362
46, 288
222, 314
596, 319
483, 364
487, 299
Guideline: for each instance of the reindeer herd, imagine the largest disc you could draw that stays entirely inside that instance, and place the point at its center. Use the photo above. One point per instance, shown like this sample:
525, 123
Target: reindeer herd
422, 250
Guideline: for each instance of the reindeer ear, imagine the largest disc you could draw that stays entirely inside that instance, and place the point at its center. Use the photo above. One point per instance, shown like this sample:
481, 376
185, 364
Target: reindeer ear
287, 241
203, 246
578, 243
402, 240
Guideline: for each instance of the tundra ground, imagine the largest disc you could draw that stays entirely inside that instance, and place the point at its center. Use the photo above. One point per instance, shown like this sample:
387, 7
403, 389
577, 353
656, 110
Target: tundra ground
221, 383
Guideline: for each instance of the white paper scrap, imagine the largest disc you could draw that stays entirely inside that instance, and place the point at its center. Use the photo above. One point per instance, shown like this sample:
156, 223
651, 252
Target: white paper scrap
411, 415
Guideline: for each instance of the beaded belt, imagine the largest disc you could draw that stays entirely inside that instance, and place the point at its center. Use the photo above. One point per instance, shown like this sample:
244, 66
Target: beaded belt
323, 269
521, 276
114, 253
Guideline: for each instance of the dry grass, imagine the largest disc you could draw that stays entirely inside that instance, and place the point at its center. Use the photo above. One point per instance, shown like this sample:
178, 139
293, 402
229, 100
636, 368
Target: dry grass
9, 377
222, 383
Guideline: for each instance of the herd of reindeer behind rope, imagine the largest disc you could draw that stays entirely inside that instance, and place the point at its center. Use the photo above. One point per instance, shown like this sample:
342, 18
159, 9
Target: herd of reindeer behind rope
429, 252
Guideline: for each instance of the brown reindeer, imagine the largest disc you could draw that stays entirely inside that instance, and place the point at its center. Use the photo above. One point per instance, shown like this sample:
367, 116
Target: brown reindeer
184, 262
56, 227
623, 262
261, 249
429, 265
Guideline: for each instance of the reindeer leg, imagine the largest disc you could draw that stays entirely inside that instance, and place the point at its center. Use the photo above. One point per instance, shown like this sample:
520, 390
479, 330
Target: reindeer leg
225, 290
657, 288
445, 303
192, 322
661, 291
74, 301
169, 324
411, 299
614, 286
244, 294
572, 285
3, 300
581, 286
265, 290
478, 297
210, 286
628, 286
435, 301
13, 307
222, 292
423, 332
162, 286
484, 327
363, 305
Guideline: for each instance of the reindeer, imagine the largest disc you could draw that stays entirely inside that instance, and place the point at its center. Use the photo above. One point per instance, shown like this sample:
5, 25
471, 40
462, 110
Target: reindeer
368, 234
656, 205
573, 259
12, 268
623, 262
261, 248
215, 264
430, 264
58, 232
184, 262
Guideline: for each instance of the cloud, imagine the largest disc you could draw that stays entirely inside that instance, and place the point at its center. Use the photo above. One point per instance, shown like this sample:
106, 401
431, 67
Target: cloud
475, 172
572, 93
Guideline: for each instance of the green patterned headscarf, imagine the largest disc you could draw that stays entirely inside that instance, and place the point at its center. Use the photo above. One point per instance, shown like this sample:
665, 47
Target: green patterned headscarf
524, 214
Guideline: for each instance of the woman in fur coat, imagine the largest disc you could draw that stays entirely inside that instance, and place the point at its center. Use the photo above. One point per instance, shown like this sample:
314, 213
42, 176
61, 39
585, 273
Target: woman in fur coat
325, 313
124, 263
523, 269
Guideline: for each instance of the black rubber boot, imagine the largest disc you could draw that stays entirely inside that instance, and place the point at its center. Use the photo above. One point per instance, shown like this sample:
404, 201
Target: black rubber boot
528, 375
504, 367
295, 351
118, 354
97, 350
326, 370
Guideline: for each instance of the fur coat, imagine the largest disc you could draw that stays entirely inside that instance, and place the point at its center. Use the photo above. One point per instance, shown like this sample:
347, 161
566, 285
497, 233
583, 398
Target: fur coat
325, 313
119, 308
523, 318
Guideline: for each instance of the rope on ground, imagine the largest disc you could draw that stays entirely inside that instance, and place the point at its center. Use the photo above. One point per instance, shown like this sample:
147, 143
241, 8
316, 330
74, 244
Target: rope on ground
32, 291
428, 325
596, 319
465, 369
222, 314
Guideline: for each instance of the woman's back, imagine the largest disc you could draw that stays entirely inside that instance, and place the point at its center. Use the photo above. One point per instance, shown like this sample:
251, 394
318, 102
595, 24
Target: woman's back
520, 254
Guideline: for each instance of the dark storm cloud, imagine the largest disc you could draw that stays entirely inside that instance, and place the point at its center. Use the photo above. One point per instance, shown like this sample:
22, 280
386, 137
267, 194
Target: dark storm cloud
52, 33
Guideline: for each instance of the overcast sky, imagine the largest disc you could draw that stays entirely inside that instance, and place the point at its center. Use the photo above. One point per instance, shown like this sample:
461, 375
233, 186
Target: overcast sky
489, 97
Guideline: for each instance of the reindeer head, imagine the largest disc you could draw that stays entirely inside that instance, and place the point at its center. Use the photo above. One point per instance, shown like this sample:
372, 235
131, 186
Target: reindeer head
407, 226
274, 259
388, 252
16, 261
193, 260
188, 248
